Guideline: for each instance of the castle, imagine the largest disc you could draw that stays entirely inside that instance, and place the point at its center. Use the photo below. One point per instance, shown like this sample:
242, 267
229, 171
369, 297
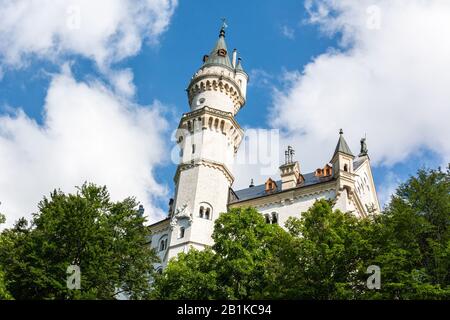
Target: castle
209, 136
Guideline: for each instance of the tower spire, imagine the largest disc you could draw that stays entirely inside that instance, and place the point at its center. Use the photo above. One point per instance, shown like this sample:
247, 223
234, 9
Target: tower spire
219, 54
342, 145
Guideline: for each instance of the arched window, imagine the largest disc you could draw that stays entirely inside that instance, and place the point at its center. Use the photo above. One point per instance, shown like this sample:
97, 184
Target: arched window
159, 270
274, 218
181, 233
163, 243
345, 167
267, 216
205, 211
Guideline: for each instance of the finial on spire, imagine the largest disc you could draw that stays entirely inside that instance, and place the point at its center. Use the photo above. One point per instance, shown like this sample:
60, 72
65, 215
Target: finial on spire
251, 184
224, 26
341, 131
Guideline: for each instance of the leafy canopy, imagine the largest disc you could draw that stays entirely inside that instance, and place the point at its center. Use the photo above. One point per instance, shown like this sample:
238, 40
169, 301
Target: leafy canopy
325, 253
107, 240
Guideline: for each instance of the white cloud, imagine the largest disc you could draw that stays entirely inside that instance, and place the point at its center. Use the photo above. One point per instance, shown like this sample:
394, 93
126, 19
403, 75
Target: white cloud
388, 188
389, 79
260, 78
122, 81
88, 134
105, 31
288, 32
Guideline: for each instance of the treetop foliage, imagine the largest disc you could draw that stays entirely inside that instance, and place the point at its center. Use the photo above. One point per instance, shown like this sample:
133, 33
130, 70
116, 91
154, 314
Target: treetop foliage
325, 253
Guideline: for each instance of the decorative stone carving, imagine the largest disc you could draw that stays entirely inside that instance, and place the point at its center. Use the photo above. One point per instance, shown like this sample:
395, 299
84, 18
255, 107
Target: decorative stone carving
181, 213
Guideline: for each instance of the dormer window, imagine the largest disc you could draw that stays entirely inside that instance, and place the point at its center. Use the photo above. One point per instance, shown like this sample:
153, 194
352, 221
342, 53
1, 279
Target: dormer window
222, 52
271, 185
325, 172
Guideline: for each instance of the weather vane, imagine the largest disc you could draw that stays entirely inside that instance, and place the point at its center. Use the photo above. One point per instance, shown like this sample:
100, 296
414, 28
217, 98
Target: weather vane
224, 23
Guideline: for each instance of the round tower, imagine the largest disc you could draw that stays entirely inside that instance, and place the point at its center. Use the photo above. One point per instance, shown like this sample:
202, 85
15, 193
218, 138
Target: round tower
208, 137
219, 83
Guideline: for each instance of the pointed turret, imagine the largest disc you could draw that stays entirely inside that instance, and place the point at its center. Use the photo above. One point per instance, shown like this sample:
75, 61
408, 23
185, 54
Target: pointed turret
239, 65
342, 145
220, 83
219, 54
342, 163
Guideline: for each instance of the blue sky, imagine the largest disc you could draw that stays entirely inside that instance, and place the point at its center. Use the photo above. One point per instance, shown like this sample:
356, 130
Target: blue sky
285, 48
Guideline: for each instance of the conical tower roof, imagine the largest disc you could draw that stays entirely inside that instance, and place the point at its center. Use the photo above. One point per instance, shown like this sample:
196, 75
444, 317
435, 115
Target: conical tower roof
239, 65
219, 54
342, 145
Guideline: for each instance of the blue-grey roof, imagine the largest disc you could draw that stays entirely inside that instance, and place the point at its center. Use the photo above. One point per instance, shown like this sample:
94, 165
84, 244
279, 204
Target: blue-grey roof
310, 179
358, 162
342, 145
259, 190
239, 66
214, 57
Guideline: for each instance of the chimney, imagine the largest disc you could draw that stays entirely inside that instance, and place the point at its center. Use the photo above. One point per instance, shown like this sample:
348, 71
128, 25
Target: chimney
290, 175
234, 58
290, 171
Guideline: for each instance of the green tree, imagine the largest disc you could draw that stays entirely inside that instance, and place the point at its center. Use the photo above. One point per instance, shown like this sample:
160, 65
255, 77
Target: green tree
325, 253
4, 294
107, 240
324, 257
191, 276
244, 243
235, 267
415, 239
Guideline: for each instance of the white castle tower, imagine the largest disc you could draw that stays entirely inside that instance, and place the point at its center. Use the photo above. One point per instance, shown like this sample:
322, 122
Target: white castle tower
208, 136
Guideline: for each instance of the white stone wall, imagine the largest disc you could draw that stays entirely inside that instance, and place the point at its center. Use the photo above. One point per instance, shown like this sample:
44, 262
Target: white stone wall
202, 184
218, 98
344, 203
158, 234
294, 207
365, 187
213, 99
242, 80
210, 144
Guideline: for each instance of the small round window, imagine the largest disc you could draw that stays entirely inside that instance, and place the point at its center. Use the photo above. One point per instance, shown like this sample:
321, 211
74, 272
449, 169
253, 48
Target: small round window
201, 101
